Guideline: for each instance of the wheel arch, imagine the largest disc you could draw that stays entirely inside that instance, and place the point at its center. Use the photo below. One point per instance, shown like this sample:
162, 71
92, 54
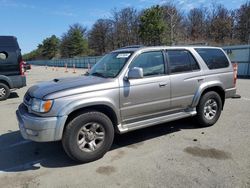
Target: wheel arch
5, 80
103, 108
218, 90
202, 90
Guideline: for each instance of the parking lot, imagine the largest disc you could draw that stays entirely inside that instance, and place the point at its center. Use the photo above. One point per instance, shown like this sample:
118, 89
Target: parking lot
174, 154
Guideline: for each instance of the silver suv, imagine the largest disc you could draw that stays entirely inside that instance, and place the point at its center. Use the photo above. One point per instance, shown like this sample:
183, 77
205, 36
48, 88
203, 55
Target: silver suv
128, 89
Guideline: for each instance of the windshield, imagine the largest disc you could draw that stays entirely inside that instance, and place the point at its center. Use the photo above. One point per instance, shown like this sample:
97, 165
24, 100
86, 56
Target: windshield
110, 65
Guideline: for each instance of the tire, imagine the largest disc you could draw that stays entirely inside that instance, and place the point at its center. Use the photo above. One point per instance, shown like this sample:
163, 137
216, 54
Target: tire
4, 92
88, 136
208, 116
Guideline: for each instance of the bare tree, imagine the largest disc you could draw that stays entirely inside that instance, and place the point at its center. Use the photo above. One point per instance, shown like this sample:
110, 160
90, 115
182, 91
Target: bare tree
196, 21
101, 36
243, 23
219, 24
173, 19
126, 26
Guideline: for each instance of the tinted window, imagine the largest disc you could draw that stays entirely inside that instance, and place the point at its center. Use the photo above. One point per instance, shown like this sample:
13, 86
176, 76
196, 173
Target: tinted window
214, 58
194, 64
111, 64
152, 63
181, 61
8, 41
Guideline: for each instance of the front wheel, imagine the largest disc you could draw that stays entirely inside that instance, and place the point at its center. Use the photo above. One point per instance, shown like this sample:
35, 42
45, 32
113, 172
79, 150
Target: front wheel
88, 136
209, 109
4, 92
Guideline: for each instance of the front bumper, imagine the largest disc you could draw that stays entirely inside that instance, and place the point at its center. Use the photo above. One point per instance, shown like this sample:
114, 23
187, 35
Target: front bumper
39, 129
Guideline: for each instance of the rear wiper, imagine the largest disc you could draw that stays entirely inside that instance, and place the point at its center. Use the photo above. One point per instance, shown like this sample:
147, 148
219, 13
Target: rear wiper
98, 74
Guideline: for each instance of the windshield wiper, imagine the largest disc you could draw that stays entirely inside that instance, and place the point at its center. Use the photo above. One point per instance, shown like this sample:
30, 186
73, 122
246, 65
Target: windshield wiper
98, 74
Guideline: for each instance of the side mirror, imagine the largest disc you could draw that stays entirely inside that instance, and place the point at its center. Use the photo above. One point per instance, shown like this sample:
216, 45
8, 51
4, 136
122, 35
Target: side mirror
135, 73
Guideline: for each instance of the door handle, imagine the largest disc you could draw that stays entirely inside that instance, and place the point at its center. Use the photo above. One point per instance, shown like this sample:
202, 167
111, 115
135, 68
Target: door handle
200, 80
163, 85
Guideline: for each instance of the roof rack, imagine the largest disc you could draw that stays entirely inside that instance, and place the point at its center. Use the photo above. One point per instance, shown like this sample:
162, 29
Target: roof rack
132, 46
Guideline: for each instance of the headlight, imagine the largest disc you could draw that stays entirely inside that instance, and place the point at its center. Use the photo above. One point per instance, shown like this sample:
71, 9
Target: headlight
39, 105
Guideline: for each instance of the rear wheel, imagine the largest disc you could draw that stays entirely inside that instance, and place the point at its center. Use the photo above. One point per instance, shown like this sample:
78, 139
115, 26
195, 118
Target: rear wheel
4, 92
88, 136
208, 109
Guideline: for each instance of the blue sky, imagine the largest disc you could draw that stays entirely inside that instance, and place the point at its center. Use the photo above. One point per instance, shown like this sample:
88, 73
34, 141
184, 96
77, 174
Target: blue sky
31, 20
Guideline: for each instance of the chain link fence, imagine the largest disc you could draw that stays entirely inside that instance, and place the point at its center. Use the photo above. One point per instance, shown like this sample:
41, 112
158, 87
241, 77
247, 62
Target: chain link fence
81, 62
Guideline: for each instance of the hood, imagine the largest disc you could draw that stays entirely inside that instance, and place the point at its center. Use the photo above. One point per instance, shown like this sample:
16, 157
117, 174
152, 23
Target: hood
45, 88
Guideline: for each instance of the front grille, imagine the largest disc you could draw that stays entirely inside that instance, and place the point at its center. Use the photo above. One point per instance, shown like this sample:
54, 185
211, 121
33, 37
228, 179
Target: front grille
27, 99
25, 108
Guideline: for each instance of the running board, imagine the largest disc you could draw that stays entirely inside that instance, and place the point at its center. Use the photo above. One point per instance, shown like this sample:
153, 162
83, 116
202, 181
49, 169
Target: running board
155, 121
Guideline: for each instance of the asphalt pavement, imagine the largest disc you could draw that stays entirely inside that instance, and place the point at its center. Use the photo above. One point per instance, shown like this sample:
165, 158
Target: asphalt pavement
173, 154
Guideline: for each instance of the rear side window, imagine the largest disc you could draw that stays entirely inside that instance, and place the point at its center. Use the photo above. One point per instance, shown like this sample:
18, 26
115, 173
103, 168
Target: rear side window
214, 58
181, 61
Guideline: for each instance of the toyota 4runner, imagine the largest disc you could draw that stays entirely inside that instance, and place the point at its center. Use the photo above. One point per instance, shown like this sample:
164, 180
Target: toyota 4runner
128, 89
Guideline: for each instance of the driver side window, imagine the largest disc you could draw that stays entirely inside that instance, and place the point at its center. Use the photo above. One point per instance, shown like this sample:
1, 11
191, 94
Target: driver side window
152, 63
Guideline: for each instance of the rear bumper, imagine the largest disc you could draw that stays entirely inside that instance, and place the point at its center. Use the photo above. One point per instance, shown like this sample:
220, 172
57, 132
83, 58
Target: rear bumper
229, 93
39, 129
17, 81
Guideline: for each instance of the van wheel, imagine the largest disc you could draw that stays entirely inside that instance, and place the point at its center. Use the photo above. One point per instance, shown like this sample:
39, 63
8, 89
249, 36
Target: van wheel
88, 136
4, 92
208, 109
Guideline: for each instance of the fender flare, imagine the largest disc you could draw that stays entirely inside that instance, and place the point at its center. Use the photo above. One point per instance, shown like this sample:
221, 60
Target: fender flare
7, 80
202, 88
85, 103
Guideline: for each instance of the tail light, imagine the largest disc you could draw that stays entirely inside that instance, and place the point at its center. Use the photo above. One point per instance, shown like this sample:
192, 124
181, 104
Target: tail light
235, 66
21, 65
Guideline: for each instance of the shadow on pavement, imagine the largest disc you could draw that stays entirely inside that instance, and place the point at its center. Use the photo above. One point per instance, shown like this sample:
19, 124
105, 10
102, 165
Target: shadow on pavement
13, 95
17, 154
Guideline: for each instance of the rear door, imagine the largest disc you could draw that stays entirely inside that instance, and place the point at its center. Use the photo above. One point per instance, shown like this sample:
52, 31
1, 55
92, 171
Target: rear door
185, 77
9, 61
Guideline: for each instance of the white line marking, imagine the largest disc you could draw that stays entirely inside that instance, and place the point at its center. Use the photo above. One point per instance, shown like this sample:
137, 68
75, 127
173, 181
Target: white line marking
244, 98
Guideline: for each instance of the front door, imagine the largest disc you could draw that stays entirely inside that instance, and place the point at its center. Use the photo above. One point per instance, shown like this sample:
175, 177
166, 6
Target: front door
147, 96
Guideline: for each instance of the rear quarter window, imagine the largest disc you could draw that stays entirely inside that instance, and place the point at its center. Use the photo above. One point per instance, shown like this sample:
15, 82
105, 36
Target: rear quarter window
181, 61
214, 58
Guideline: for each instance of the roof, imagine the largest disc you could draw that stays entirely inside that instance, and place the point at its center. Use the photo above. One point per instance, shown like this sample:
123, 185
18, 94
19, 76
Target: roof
8, 41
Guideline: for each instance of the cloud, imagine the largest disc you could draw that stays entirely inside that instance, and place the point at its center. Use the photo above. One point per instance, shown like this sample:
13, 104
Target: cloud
186, 5
11, 3
99, 13
64, 13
